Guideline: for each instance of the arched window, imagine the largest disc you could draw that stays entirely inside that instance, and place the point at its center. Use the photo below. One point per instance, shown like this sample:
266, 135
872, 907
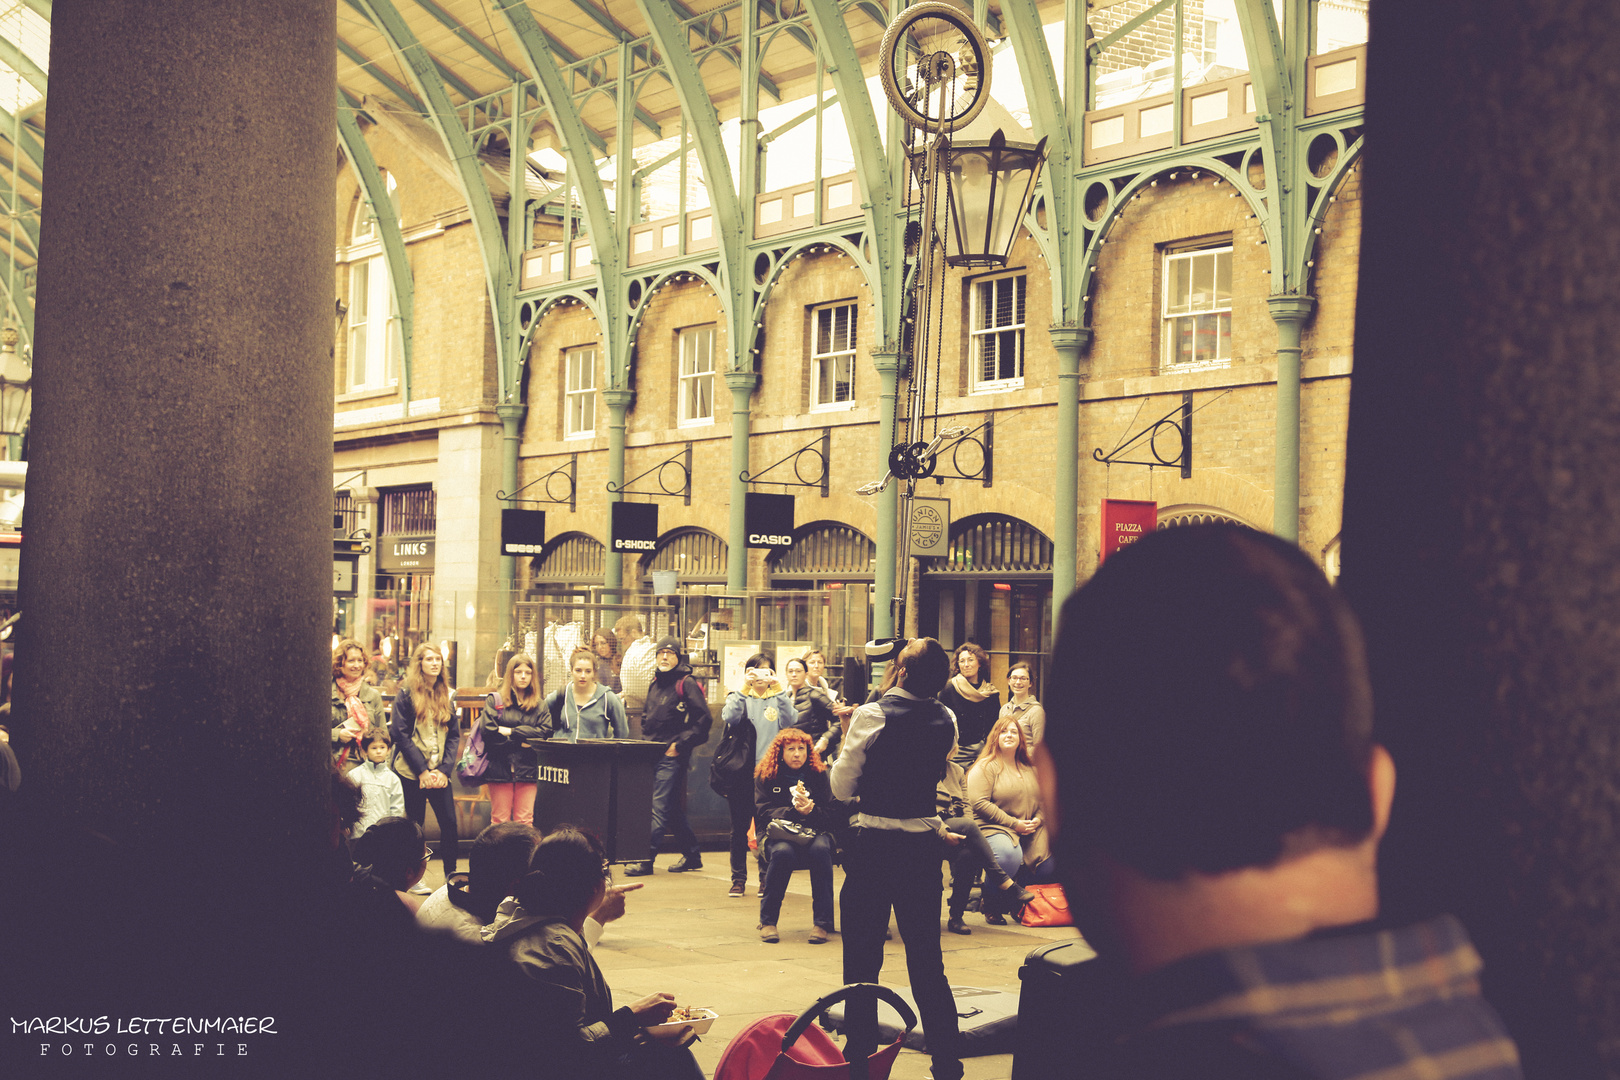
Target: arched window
698, 555
994, 544
1187, 514
571, 557
824, 550
374, 350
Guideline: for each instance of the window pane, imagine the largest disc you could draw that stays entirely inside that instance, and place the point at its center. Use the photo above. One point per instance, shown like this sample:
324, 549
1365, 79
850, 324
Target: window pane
1223, 278
1225, 350
824, 325
359, 292
1208, 338
357, 355
845, 376
1203, 282
824, 382
1018, 300
705, 396
844, 336
1182, 343
1178, 293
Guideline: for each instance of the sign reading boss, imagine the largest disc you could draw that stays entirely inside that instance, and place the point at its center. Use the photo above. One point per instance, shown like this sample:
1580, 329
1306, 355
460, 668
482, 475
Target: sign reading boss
768, 519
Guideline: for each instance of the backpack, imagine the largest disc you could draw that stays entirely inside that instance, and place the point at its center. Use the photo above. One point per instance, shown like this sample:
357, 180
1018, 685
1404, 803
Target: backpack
475, 758
733, 759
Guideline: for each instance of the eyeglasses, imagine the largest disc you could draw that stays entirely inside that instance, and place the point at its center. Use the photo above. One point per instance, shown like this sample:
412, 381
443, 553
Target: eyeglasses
427, 853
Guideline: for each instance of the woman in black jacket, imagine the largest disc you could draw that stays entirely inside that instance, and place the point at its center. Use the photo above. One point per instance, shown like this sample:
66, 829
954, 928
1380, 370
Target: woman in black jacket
512, 716
973, 698
790, 785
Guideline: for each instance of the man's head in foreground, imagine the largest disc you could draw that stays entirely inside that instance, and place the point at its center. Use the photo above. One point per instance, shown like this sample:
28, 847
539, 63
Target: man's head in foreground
1209, 767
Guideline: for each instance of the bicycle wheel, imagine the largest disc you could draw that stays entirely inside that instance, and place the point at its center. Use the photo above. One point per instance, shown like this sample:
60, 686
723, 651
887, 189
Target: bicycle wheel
935, 67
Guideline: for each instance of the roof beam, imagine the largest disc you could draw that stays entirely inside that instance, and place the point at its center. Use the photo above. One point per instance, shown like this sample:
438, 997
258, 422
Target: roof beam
371, 68
41, 8
686, 14
604, 20
19, 62
472, 40
24, 139
441, 113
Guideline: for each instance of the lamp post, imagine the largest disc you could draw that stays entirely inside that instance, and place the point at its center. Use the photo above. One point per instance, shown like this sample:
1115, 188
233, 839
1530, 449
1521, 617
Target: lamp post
16, 377
975, 171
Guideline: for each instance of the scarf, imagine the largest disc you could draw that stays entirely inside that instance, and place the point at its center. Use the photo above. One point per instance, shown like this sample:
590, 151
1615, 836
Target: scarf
968, 691
358, 720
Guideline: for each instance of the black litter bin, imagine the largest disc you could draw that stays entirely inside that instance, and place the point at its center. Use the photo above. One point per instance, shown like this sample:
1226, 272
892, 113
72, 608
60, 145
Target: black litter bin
603, 785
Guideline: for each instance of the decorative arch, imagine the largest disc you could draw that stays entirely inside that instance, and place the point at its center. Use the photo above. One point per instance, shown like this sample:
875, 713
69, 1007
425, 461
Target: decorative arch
697, 554
573, 556
1171, 517
825, 549
994, 544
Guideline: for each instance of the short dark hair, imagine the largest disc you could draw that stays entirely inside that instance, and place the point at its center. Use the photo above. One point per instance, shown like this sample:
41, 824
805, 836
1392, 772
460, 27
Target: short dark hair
760, 659
499, 857
392, 848
924, 667
371, 735
1212, 706
564, 872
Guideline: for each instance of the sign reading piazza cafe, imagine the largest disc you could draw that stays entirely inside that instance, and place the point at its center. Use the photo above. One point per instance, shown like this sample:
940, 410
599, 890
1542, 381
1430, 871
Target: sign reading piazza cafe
1125, 521
768, 519
634, 527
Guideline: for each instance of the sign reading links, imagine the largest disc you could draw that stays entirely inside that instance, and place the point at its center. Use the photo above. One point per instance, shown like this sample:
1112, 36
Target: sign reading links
768, 520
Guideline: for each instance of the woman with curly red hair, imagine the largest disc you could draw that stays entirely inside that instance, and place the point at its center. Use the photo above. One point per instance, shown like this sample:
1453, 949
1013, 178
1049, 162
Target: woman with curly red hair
790, 786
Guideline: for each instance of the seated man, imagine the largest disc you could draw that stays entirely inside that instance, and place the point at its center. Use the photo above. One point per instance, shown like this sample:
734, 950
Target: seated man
1218, 801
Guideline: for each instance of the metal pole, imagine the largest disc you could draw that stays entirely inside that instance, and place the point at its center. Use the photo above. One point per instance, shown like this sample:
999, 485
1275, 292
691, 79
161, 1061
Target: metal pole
742, 385
888, 500
1289, 312
618, 403
1068, 341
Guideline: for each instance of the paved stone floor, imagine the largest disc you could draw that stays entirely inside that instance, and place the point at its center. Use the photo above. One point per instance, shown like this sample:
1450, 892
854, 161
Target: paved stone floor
684, 935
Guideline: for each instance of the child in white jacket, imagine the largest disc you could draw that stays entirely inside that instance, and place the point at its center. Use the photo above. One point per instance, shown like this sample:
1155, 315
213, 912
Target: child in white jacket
381, 793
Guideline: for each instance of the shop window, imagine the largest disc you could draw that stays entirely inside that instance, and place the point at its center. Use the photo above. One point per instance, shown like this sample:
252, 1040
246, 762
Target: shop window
579, 397
695, 403
997, 347
1198, 307
832, 357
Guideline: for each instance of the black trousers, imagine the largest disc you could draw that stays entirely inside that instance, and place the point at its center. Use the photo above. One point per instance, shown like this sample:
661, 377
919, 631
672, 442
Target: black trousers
886, 869
444, 809
967, 859
741, 806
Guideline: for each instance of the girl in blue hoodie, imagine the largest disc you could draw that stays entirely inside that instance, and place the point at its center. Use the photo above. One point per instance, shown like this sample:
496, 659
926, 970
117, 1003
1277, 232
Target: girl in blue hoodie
765, 703
585, 709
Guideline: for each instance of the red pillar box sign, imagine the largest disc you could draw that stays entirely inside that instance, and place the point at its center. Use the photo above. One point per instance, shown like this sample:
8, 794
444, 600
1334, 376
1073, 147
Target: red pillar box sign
1125, 521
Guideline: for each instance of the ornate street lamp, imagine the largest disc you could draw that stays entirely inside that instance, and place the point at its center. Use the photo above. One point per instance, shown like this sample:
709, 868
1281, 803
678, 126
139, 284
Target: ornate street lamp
16, 376
975, 169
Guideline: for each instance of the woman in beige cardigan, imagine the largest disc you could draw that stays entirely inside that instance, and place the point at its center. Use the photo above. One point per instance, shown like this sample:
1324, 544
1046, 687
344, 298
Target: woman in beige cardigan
1007, 803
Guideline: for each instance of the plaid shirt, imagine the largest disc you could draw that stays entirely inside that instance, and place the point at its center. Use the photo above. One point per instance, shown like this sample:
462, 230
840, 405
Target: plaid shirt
1351, 1004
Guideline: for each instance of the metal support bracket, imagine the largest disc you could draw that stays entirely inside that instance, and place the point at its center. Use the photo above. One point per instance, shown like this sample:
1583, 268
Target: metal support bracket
986, 444
682, 460
1183, 441
568, 472
821, 449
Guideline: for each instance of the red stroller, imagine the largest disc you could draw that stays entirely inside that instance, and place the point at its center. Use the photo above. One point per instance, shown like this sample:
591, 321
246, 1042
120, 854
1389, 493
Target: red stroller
787, 1047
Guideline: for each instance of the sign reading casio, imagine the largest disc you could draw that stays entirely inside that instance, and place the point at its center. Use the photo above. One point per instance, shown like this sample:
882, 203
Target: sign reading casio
768, 519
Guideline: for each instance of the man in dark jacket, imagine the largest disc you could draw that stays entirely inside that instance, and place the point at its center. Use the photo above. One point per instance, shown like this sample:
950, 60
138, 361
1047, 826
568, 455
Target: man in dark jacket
677, 713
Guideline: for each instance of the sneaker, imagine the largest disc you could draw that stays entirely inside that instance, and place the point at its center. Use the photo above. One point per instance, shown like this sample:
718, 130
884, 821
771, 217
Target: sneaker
759, 890
818, 935
421, 888
738, 888
769, 935
956, 926
640, 869
685, 863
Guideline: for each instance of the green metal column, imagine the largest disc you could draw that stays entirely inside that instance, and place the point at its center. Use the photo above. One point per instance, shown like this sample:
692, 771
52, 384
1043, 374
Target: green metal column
1289, 312
1068, 341
512, 437
888, 501
742, 385
618, 403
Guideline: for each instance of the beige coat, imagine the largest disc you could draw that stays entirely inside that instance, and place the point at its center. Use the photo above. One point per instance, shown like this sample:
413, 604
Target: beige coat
1031, 717
1001, 796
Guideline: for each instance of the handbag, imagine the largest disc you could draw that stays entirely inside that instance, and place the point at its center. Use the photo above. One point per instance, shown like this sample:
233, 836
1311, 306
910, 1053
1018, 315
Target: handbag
475, 758
1049, 908
791, 831
733, 766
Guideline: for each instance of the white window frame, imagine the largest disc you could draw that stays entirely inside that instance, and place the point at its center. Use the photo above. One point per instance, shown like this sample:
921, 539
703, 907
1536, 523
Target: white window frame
579, 393
374, 349
1185, 306
694, 351
988, 333
839, 353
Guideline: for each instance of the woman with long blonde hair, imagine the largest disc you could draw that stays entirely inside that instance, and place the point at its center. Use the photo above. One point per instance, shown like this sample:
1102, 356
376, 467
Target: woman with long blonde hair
1007, 802
512, 718
426, 739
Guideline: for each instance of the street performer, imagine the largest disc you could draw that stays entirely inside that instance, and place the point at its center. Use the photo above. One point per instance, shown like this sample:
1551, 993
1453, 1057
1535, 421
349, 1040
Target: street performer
893, 758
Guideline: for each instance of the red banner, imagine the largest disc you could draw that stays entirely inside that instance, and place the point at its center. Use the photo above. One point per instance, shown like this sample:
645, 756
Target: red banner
1125, 521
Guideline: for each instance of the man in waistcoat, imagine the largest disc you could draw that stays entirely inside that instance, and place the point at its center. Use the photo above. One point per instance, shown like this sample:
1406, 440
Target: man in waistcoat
893, 758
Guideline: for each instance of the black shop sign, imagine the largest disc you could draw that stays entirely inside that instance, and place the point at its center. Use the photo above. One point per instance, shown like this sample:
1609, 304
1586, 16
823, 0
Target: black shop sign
523, 532
400, 555
768, 520
635, 527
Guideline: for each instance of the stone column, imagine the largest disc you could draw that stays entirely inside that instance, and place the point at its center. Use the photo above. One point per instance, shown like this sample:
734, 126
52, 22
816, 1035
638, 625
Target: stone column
1482, 501
469, 595
173, 664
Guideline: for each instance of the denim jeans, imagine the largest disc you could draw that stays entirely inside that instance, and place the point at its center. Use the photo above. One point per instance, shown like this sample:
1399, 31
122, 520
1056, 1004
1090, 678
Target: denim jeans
782, 858
669, 807
1010, 857
973, 854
